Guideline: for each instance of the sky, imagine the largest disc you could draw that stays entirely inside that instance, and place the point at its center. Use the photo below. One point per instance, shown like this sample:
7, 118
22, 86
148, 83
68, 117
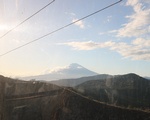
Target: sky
114, 41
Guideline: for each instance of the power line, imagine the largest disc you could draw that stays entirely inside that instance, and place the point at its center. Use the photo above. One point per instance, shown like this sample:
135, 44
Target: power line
61, 28
26, 19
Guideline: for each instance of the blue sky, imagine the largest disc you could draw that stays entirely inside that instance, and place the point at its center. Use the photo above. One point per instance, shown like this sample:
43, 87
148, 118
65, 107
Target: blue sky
114, 41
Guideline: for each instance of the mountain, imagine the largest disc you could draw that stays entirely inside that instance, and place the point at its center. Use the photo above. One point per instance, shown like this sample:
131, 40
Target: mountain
147, 78
76, 81
128, 90
74, 70
34, 100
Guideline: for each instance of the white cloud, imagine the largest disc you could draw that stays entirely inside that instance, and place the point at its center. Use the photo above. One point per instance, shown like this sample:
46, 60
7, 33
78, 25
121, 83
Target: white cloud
141, 42
137, 27
89, 45
70, 13
60, 69
132, 2
135, 52
56, 69
138, 50
82, 45
101, 33
139, 21
79, 23
109, 18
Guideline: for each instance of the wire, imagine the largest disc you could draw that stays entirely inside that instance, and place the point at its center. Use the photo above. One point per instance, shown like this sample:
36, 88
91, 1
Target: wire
26, 19
61, 28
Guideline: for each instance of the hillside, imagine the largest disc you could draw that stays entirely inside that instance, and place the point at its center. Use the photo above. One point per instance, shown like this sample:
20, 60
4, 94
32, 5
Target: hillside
45, 101
75, 107
128, 90
76, 81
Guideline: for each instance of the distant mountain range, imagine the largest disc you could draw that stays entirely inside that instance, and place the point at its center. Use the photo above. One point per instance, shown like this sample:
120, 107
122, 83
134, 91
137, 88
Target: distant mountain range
74, 70
128, 90
70, 76
36, 100
76, 81
147, 78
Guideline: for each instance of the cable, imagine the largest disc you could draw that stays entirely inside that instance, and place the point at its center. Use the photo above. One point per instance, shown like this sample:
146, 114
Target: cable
61, 28
26, 19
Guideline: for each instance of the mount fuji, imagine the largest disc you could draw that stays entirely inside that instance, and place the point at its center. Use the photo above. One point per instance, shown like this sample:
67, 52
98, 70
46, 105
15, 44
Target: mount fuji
74, 70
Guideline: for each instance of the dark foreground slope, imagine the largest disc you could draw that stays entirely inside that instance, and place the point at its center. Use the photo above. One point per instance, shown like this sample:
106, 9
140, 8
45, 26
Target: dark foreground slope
57, 103
69, 106
128, 90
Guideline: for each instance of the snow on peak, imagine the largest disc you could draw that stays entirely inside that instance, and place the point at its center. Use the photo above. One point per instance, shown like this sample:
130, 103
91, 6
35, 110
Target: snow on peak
75, 66
74, 70
60, 69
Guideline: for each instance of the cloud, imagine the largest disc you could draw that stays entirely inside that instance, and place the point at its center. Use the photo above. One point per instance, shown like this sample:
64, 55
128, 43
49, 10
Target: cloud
142, 42
139, 49
137, 28
109, 18
89, 45
71, 14
133, 51
79, 23
60, 69
138, 23
101, 33
132, 2
55, 70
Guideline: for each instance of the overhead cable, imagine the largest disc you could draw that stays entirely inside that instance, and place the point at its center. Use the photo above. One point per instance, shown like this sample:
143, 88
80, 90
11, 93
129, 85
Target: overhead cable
37, 39
26, 19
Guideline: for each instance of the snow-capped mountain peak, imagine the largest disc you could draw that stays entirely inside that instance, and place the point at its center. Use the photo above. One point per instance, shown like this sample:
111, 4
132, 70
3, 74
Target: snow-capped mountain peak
74, 70
75, 66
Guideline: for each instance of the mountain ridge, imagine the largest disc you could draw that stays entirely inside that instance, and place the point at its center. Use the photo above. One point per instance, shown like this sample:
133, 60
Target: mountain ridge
66, 104
129, 90
74, 70
77, 81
